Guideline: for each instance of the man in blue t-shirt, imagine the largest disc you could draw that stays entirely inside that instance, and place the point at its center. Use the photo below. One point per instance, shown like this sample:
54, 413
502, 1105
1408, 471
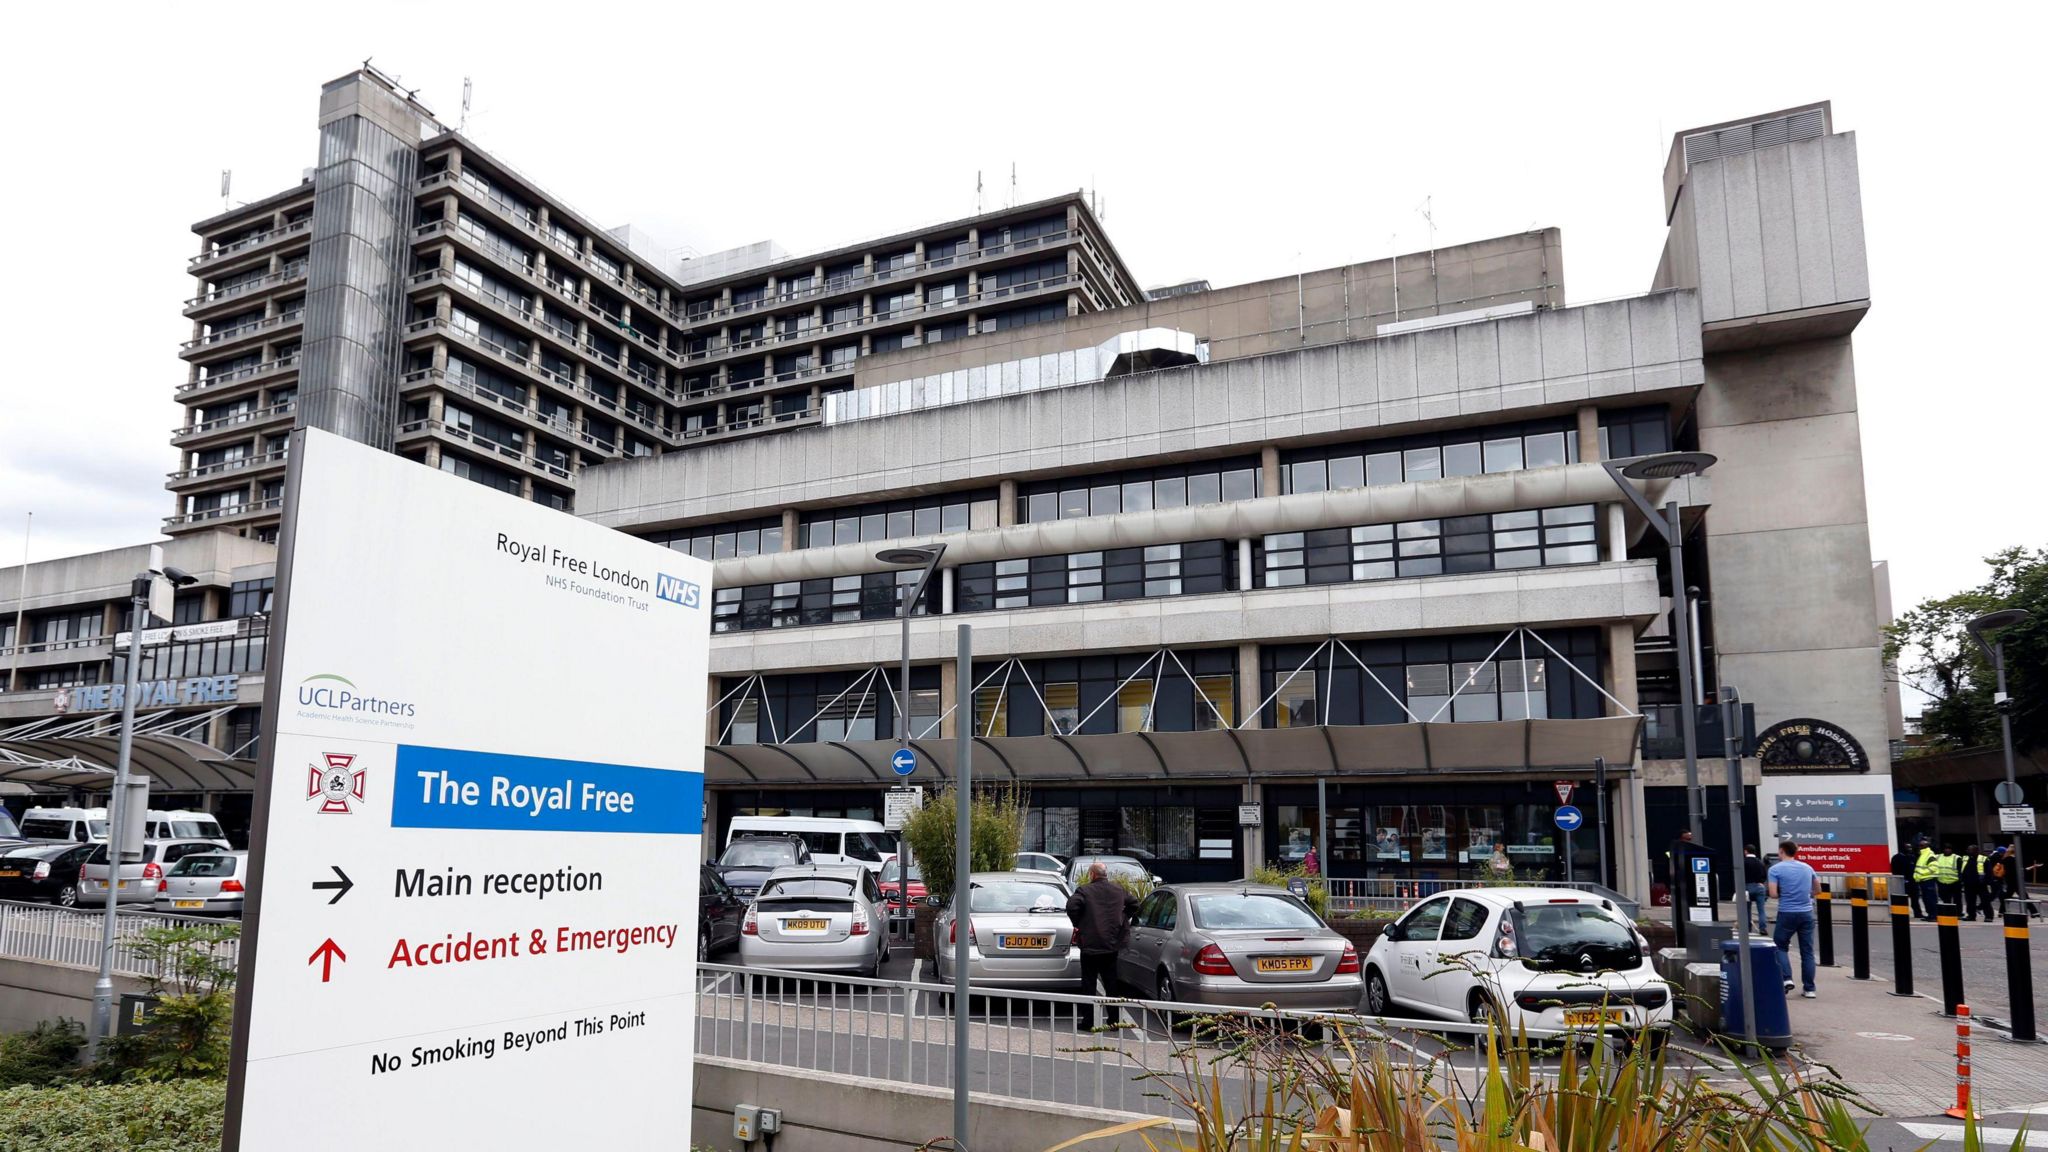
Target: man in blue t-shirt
1791, 881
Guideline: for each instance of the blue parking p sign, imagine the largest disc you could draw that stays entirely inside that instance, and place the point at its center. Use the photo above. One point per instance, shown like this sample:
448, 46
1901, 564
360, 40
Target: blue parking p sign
904, 761
1568, 818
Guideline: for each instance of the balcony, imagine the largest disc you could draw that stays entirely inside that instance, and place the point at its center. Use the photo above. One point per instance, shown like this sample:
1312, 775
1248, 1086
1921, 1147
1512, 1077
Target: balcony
240, 334
1664, 740
262, 461
761, 423
247, 246
503, 453
554, 425
233, 420
507, 211
224, 381
291, 273
224, 515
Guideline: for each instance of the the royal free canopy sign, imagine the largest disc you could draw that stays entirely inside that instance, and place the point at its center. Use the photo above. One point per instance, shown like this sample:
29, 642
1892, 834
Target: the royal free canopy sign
475, 898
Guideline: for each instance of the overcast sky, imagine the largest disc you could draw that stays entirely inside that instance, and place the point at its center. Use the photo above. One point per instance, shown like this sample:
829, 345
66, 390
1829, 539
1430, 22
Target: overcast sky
1220, 149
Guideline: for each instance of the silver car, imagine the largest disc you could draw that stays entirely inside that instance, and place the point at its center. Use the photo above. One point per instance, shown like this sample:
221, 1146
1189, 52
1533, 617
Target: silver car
206, 884
1118, 867
1039, 862
1019, 935
816, 917
137, 880
1238, 945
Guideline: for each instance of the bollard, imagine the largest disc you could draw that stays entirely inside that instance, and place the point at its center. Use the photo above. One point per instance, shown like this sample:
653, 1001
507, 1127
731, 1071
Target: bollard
1824, 924
1950, 936
2019, 975
1962, 1109
1859, 927
1902, 945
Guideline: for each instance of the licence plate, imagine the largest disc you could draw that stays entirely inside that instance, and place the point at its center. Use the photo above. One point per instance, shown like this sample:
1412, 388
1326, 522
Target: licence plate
1578, 1016
1285, 964
10, 875
1023, 941
804, 925
188, 903
121, 884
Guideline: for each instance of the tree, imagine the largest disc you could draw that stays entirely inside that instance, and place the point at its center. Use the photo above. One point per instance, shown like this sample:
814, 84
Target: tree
996, 827
1954, 670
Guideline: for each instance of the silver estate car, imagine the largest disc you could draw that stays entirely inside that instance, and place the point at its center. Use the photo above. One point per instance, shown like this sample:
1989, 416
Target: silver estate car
1019, 935
205, 884
1117, 866
816, 917
1238, 945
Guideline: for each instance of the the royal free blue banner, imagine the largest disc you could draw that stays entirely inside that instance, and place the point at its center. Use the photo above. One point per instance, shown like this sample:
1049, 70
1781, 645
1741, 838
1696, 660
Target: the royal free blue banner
458, 788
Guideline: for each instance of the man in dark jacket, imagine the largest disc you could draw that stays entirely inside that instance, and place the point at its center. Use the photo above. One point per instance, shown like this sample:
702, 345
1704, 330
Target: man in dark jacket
1902, 874
1101, 911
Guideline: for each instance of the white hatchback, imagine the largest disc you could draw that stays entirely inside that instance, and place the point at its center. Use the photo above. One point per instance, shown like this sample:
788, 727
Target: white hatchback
1545, 962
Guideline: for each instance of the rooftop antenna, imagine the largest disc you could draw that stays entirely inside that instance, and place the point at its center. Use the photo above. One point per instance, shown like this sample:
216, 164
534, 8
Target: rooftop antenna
227, 181
1431, 221
1394, 242
464, 122
977, 191
1013, 183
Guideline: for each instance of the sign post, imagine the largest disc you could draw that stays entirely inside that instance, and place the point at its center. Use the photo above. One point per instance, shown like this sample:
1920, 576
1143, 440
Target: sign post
463, 903
1568, 819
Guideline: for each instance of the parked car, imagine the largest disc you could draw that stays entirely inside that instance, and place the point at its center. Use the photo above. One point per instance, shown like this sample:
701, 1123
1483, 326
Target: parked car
9, 830
46, 873
893, 886
1118, 866
137, 881
205, 884
831, 839
1039, 862
719, 912
816, 917
1240, 945
1539, 960
746, 863
1018, 932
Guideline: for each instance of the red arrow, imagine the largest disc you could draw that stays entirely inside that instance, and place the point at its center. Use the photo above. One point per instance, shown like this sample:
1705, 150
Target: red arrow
327, 954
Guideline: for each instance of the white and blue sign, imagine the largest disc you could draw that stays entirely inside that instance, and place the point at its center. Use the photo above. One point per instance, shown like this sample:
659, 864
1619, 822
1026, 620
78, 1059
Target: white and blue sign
453, 788
1568, 818
1702, 865
904, 761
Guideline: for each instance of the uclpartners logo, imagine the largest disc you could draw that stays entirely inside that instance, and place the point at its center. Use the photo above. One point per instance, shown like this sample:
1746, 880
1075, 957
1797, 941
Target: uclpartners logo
331, 693
677, 590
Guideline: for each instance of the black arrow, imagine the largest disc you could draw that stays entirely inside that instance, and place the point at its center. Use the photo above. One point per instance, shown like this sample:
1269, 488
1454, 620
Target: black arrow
343, 884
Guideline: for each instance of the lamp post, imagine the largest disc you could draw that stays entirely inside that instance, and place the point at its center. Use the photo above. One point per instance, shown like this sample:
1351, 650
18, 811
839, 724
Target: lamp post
1994, 651
1672, 466
103, 988
925, 556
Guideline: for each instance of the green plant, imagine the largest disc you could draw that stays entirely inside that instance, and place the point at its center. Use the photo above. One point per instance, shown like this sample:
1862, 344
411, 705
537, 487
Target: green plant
181, 1117
45, 1054
995, 829
1318, 892
193, 980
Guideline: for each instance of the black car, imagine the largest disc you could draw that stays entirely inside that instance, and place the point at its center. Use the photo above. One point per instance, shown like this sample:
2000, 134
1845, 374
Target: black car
748, 862
46, 873
719, 913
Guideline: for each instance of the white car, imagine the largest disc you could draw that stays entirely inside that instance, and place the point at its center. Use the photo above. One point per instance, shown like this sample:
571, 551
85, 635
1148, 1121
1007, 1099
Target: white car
1545, 962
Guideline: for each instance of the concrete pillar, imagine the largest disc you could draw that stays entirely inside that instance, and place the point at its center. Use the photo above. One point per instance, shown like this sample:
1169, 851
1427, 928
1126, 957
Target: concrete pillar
1244, 565
1269, 471
949, 692
1248, 694
1620, 666
946, 591
1589, 435
790, 526
437, 407
1006, 503
1631, 838
1617, 533
1253, 792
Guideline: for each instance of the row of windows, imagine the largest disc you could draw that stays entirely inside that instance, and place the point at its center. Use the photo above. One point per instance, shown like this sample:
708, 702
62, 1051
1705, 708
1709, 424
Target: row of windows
1138, 490
726, 541
829, 706
873, 523
830, 600
1466, 452
186, 658
250, 597
1086, 577
1441, 547
1493, 677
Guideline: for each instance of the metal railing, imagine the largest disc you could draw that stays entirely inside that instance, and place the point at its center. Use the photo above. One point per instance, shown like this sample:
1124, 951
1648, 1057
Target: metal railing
236, 375
1391, 894
281, 408
247, 243
203, 515
71, 936
1022, 1045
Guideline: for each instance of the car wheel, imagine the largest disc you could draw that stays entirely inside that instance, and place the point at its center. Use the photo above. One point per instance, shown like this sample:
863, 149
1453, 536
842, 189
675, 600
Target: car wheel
1480, 1010
1164, 989
1378, 1001
704, 942
67, 896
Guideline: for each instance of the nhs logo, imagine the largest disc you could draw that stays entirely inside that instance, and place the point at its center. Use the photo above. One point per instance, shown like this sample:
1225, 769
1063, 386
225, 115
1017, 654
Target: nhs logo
677, 590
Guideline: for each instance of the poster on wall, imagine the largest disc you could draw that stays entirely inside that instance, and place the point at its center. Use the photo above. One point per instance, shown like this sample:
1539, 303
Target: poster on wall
1434, 843
484, 766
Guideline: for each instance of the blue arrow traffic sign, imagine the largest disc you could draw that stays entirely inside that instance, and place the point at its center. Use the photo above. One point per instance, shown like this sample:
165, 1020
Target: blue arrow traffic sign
1568, 818
904, 761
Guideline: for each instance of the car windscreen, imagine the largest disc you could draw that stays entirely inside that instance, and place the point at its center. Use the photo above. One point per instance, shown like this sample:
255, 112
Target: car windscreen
808, 887
1580, 936
1224, 911
40, 829
758, 854
204, 866
1016, 896
195, 830
7, 829
1130, 868
869, 846
889, 875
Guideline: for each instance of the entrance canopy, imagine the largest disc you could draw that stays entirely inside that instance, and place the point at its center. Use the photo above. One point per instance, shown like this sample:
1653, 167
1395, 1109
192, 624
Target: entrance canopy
61, 753
1499, 747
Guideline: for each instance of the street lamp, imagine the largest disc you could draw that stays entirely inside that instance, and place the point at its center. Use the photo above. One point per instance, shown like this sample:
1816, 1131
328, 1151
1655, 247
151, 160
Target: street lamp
103, 988
925, 556
1673, 466
1994, 651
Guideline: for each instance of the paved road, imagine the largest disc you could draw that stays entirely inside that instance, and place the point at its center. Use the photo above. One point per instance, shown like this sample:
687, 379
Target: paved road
1982, 946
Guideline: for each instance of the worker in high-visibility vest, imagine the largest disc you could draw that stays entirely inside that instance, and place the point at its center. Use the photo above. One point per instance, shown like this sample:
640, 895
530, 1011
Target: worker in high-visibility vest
1924, 893
1948, 878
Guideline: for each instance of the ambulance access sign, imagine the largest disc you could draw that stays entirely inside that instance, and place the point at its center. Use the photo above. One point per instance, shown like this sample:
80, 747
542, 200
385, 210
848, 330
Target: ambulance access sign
472, 856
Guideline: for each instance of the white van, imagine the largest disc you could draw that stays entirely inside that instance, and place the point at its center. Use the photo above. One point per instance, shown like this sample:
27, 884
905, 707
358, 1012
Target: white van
181, 824
85, 825
831, 841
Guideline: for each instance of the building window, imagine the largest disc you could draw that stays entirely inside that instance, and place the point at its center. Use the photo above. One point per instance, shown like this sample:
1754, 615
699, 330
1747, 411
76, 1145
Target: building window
745, 727
1134, 706
188, 608
1216, 705
871, 523
992, 711
1447, 546
1138, 490
851, 717
250, 597
1297, 700
725, 541
1063, 707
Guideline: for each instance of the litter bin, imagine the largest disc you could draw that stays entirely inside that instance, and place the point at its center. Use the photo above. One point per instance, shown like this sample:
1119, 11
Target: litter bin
1773, 1020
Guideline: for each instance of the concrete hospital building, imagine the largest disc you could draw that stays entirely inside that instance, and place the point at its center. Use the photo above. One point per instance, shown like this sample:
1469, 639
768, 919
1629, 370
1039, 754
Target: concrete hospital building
1336, 550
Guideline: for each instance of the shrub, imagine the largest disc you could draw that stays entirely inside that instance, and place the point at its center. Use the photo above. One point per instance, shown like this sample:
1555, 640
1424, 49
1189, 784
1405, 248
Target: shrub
189, 1033
46, 1054
1318, 893
995, 829
181, 1117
